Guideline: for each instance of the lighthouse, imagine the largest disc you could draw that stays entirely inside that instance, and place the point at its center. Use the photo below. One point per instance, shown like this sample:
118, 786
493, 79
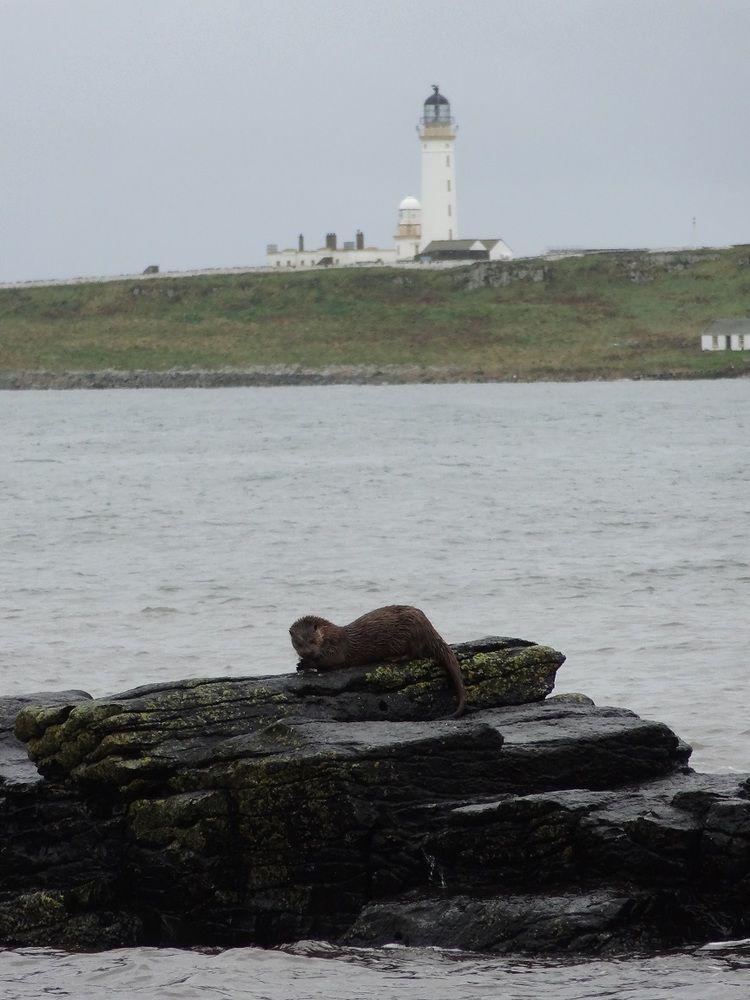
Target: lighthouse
437, 136
427, 231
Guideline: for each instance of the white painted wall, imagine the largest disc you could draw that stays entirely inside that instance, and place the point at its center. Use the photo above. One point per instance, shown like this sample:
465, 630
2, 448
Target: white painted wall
439, 219
288, 259
723, 342
501, 251
407, 247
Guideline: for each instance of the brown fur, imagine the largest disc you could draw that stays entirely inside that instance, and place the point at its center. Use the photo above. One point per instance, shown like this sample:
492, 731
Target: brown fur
389, 634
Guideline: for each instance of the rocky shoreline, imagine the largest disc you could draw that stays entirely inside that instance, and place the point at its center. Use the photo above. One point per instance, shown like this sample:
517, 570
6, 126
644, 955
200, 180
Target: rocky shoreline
255, 376
297, 375
348, 807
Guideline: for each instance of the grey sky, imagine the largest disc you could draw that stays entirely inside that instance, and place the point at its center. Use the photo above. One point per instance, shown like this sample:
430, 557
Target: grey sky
190, 133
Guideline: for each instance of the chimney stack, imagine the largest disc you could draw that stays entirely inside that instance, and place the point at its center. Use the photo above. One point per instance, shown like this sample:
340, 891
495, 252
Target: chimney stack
301, 243
330, 241
360, 240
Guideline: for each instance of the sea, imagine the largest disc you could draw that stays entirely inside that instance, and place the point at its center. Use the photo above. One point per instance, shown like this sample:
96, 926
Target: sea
152, 534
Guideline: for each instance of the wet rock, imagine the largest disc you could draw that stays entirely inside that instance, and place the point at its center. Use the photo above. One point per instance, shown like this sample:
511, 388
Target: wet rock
59, 859
264, 810
15, 766
595, 921
55, 919
148, 734
608, 871
574, 697
569, 744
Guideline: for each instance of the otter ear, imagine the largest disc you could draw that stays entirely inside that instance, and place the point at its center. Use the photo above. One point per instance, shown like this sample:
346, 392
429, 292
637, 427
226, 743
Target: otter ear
319, 633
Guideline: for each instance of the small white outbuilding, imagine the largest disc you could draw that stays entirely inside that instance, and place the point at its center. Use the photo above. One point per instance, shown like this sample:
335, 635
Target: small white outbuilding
727, 334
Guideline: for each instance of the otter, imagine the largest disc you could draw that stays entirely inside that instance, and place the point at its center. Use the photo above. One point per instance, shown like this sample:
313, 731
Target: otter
394, 633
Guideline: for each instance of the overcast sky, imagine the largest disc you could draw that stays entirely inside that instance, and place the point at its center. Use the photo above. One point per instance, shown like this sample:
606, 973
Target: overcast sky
190, 133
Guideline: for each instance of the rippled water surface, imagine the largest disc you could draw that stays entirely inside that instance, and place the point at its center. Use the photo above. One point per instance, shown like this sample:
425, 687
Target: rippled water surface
321, 972
156, 534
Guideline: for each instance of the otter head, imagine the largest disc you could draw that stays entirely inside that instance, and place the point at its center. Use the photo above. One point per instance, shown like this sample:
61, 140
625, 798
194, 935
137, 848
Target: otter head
307, 635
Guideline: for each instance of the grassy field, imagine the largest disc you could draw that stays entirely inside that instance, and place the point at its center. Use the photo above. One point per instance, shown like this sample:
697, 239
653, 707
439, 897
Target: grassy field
600, 316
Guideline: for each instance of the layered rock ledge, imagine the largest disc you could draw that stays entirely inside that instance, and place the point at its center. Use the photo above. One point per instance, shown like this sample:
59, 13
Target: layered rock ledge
347, 806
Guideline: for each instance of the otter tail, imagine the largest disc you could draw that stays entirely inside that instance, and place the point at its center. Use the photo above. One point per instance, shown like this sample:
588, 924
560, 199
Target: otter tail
444, 655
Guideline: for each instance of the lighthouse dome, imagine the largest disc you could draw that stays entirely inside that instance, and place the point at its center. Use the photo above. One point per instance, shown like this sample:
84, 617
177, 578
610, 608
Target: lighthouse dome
436, 109
436, 97
409, 203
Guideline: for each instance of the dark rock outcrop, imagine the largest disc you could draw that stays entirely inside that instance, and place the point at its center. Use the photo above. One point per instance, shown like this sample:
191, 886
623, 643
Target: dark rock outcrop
58, 851
346, 805
581, 870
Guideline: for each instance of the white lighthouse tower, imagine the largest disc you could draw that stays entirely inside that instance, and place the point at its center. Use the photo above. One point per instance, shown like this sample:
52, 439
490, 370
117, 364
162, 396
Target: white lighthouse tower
437, 134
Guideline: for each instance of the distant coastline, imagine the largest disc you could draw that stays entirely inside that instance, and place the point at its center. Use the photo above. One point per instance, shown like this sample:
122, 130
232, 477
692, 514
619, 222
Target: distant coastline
296, 375
605, 316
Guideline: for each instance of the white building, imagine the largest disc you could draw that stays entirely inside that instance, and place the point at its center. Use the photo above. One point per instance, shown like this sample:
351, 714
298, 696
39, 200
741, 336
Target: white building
727, 335
425, 232
466, 250
331, 255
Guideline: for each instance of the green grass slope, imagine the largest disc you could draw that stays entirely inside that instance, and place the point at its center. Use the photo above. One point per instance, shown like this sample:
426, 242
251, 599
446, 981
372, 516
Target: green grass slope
600, 316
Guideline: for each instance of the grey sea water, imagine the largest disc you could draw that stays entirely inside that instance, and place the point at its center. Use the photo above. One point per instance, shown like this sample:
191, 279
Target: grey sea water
156, 534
